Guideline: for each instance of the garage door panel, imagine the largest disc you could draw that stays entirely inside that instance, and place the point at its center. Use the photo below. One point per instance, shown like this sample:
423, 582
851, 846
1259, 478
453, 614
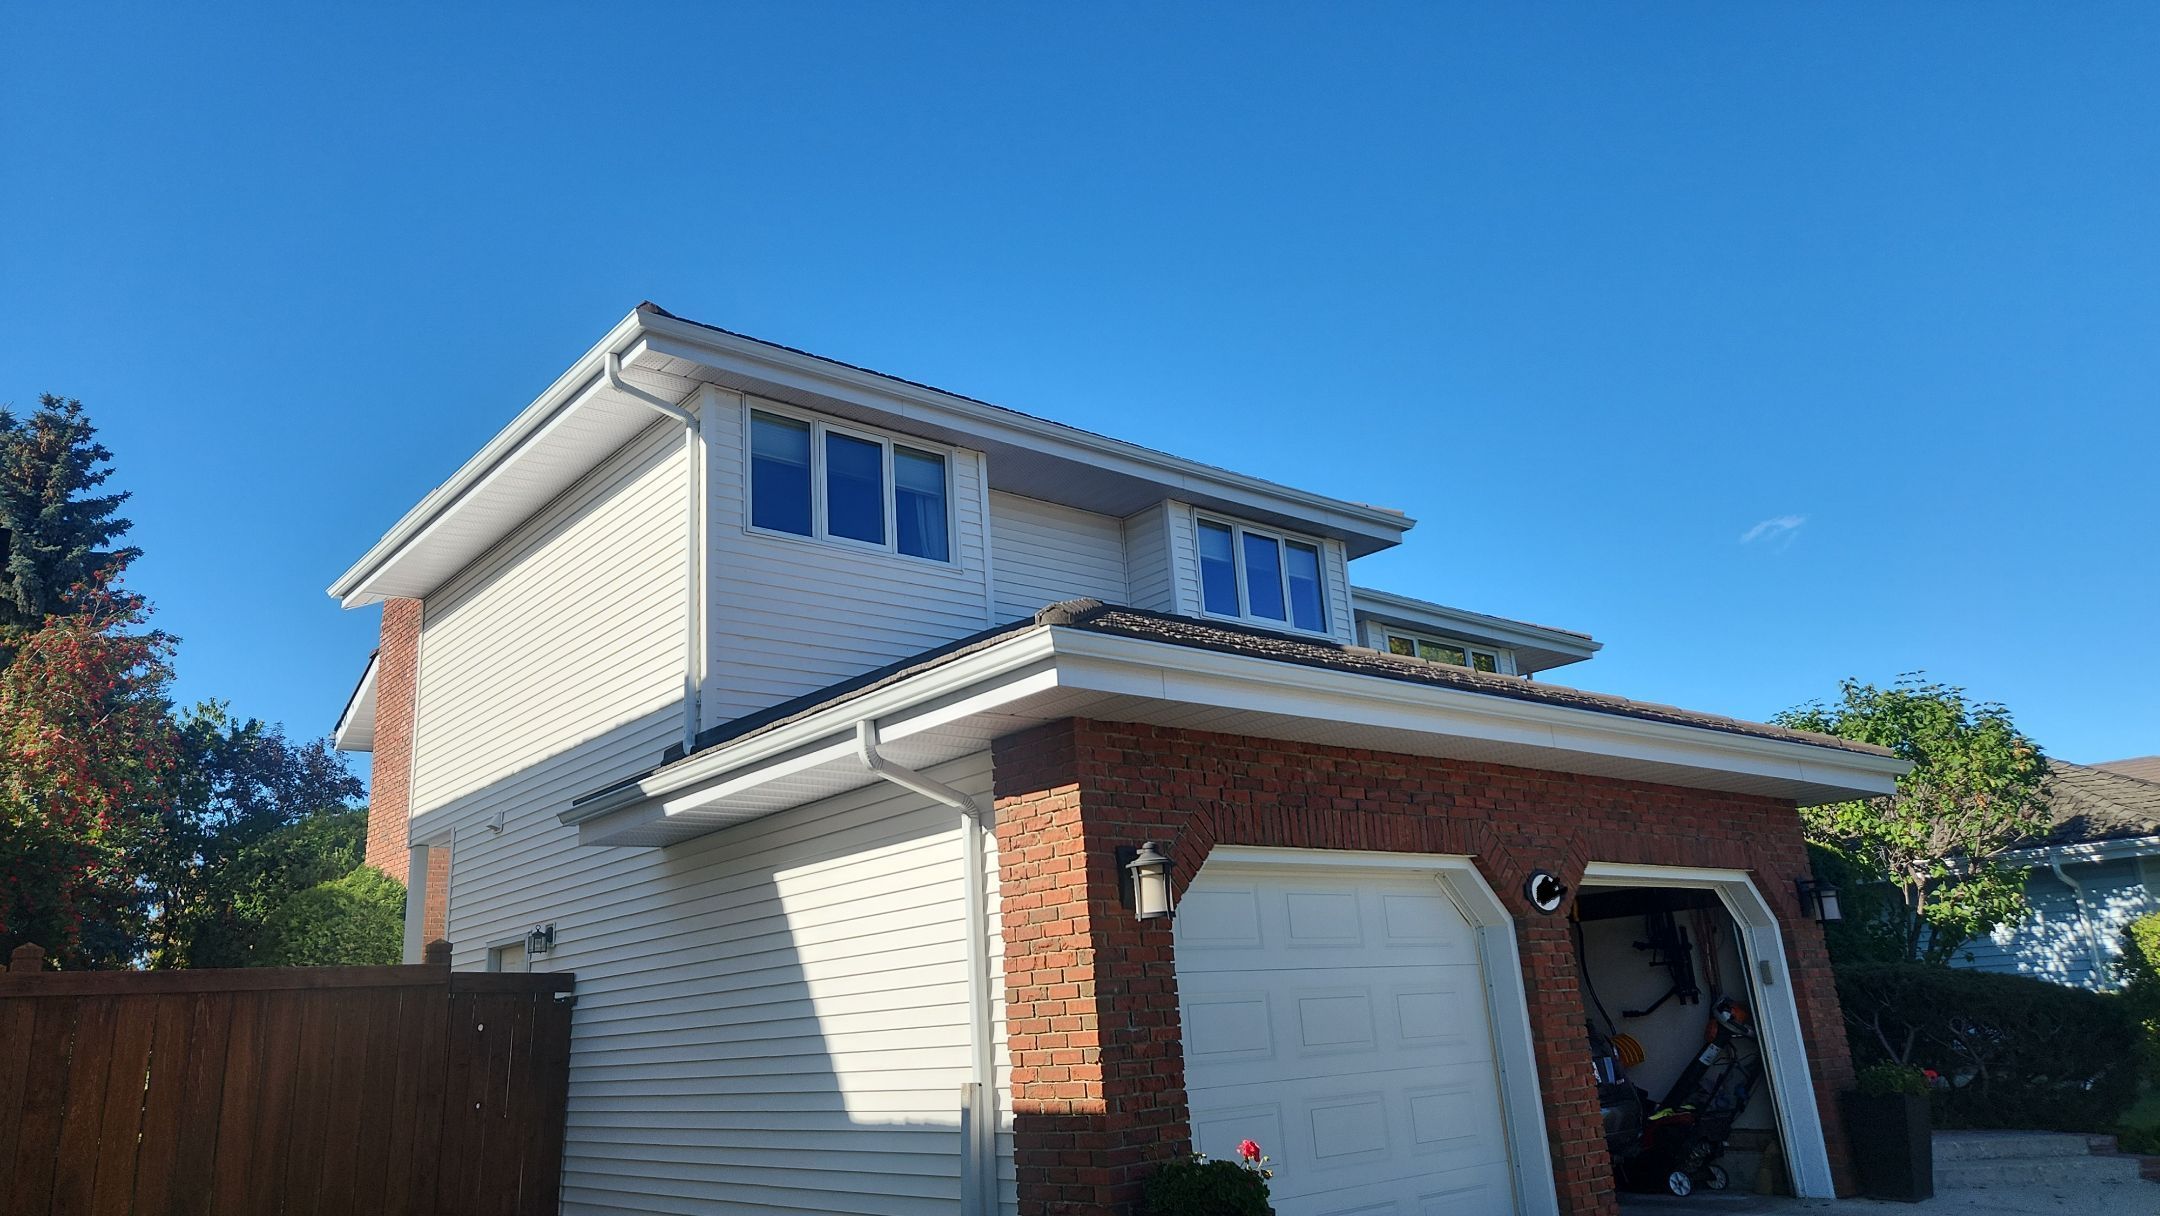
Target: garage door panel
1344, 1016
1307, 1013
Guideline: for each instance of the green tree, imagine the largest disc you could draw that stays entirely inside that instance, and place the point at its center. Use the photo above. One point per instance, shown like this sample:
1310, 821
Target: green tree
355, 920
1975, 789
56, 529
254, 821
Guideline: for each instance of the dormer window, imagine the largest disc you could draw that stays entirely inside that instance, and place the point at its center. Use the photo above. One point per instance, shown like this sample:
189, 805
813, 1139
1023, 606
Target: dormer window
809, 478
1266, 577
1444, 650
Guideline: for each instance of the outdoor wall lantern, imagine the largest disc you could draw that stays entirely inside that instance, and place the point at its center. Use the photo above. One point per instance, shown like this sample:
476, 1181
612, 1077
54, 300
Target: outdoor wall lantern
1819, 900
540, 941
1147, 882
1544, 891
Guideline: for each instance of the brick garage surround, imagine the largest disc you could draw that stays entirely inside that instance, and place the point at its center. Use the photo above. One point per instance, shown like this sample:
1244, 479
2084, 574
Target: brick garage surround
1091, 995
397, 687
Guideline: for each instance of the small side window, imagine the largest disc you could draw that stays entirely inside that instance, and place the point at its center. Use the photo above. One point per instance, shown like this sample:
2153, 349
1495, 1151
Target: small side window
919, 503
780, 474
1218, 569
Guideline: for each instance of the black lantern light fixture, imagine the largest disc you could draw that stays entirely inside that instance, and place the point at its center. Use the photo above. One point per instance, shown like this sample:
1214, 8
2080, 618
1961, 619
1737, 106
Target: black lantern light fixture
1147, 881
1819, 900
540, 941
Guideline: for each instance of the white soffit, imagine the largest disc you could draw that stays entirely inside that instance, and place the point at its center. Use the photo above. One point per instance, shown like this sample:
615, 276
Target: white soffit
1043, 675
355, 731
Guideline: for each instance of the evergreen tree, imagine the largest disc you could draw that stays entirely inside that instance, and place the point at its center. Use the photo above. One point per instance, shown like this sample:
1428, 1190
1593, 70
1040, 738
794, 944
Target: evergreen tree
55, 528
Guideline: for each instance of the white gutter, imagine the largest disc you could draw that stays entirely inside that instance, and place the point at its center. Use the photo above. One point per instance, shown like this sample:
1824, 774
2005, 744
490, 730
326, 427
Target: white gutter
978, 1178
693, 540
2092, 940
1083, 661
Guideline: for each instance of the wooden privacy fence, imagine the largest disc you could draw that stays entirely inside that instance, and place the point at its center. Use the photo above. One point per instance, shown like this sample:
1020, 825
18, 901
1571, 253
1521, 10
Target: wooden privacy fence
375, 1091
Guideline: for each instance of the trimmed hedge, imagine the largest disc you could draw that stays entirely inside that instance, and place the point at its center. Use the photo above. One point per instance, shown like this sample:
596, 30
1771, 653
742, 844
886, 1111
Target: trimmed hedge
2008, 1051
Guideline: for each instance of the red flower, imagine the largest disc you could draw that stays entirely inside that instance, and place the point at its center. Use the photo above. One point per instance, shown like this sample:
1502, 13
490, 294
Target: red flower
1249, 1150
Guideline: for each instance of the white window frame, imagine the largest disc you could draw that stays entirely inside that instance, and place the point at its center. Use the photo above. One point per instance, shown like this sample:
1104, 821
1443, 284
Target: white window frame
819, 531
1503, 658
1238, 529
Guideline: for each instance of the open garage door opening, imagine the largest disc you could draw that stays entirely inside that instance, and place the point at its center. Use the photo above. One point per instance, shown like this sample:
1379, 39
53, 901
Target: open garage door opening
1676, 1034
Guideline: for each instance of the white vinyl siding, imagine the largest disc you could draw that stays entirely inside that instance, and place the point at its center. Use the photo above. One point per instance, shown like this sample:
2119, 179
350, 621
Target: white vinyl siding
770, 1019
790, 615
1043, 553
554, 665
1148, 578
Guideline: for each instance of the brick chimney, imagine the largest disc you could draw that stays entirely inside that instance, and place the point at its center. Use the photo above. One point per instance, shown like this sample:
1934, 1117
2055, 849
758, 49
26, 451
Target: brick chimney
397, 684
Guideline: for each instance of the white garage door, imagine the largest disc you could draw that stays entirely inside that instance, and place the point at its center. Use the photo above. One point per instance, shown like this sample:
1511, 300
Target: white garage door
1339, 1018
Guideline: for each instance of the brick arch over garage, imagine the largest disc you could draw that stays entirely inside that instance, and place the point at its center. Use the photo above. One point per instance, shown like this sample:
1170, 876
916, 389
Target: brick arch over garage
1091, 993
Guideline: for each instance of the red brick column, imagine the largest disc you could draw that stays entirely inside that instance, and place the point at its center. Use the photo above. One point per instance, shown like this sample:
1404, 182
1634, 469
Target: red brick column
1091, 995
397, 687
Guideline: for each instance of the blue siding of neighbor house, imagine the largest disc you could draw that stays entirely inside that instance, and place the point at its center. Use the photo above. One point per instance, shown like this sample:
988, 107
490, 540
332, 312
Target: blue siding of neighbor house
2050, 943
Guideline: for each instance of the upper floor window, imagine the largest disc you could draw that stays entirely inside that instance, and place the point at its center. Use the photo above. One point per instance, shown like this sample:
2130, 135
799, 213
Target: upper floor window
812, 479
1264, 576
1441, 650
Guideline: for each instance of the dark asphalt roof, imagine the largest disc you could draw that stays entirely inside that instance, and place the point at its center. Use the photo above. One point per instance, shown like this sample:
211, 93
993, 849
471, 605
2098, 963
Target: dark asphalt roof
2091, 805
1094, 616
2144, 768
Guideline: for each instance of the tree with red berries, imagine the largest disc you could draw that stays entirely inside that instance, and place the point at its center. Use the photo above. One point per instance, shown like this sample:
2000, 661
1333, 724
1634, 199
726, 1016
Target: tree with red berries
86, 740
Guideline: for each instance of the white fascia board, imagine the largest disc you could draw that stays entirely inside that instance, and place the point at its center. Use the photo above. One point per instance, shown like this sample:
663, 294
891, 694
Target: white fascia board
355, 730
1271, 686
487, 463
1043, 659
975, 684
752, 359
1416, 613
2071, 854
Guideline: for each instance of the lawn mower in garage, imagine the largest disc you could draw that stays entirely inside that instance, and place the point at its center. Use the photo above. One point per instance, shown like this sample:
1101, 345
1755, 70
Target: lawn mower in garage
1686, 1133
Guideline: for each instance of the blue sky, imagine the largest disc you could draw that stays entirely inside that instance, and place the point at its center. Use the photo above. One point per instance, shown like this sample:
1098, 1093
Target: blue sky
1771, 344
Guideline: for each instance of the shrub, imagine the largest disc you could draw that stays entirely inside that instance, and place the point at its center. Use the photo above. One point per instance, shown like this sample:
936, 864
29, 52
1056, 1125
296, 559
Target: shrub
1881, 1079
2139, 970
2011, 1051
357, 920
1196, 1186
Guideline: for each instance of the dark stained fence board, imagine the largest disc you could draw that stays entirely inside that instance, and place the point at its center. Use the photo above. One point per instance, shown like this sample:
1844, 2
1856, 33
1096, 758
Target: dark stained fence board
120, 1132
373, 1091
164, 1098
17, 1020
89, 1059
44, 1110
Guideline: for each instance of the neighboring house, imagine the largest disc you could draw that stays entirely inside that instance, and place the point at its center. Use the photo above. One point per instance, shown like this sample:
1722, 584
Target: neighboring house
2096, 870
817, 714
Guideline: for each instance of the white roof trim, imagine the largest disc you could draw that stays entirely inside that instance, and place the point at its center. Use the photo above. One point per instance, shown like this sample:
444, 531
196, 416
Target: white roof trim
493, 492
355, 730
2067, 854
1048, 673
1553, 646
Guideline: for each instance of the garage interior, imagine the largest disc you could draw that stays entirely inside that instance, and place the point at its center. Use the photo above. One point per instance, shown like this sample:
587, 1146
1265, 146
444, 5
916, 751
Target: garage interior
1683, 1076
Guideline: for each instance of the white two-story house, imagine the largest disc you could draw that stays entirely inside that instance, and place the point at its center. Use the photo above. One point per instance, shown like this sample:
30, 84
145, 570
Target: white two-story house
817, 719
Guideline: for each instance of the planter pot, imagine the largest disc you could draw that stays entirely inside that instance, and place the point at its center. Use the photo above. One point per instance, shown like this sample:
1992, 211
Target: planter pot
1892, 1145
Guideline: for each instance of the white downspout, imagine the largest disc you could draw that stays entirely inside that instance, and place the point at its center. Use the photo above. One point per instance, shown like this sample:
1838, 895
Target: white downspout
693, 468
2092, 940
978, 1175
